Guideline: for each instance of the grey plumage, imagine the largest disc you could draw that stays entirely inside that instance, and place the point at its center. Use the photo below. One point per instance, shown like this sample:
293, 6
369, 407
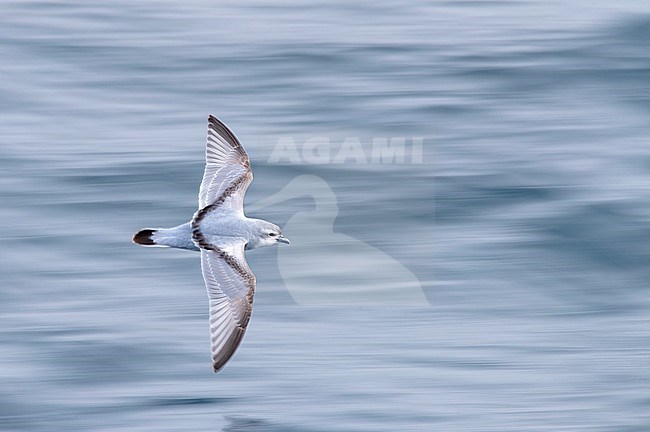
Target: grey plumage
221, 232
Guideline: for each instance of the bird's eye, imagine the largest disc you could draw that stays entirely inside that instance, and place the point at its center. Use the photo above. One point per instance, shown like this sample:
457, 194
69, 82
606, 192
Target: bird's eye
272, 234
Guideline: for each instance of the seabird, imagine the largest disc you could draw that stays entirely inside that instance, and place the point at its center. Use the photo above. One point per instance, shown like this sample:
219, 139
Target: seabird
221, 232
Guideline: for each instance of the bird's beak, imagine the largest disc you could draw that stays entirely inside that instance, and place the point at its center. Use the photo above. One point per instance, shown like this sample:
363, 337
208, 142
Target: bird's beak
283, 239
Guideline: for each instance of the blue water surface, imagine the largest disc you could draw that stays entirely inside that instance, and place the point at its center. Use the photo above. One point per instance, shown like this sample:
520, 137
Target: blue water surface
521, 235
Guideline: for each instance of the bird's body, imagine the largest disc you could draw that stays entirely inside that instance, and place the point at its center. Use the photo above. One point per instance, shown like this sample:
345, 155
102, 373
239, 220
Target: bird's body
221, 232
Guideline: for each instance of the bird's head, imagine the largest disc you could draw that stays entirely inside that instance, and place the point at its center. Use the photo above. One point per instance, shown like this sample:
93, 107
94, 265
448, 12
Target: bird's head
266, 234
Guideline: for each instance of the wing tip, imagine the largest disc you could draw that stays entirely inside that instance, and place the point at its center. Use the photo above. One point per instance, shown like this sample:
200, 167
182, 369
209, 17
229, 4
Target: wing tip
219, 363
223, 356
214, 122
220, 128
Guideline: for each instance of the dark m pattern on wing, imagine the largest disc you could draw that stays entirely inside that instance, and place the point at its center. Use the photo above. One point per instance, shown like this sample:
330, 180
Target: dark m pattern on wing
203, 243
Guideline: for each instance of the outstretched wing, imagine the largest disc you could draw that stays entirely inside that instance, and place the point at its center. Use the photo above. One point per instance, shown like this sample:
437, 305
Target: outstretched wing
231, 287
227, 169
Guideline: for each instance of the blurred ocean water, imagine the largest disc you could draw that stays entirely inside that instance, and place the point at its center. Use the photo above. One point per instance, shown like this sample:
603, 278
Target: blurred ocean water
525, 227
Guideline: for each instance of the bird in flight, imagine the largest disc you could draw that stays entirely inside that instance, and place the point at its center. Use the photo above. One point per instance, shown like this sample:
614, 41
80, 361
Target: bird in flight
221, 232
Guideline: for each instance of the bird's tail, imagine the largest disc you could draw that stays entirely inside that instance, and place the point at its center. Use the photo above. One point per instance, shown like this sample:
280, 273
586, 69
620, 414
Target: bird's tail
179, 237
145, 237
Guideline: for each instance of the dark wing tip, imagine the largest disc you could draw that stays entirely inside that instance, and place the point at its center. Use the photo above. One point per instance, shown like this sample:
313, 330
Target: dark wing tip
218, 127
144, 237
219, 360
